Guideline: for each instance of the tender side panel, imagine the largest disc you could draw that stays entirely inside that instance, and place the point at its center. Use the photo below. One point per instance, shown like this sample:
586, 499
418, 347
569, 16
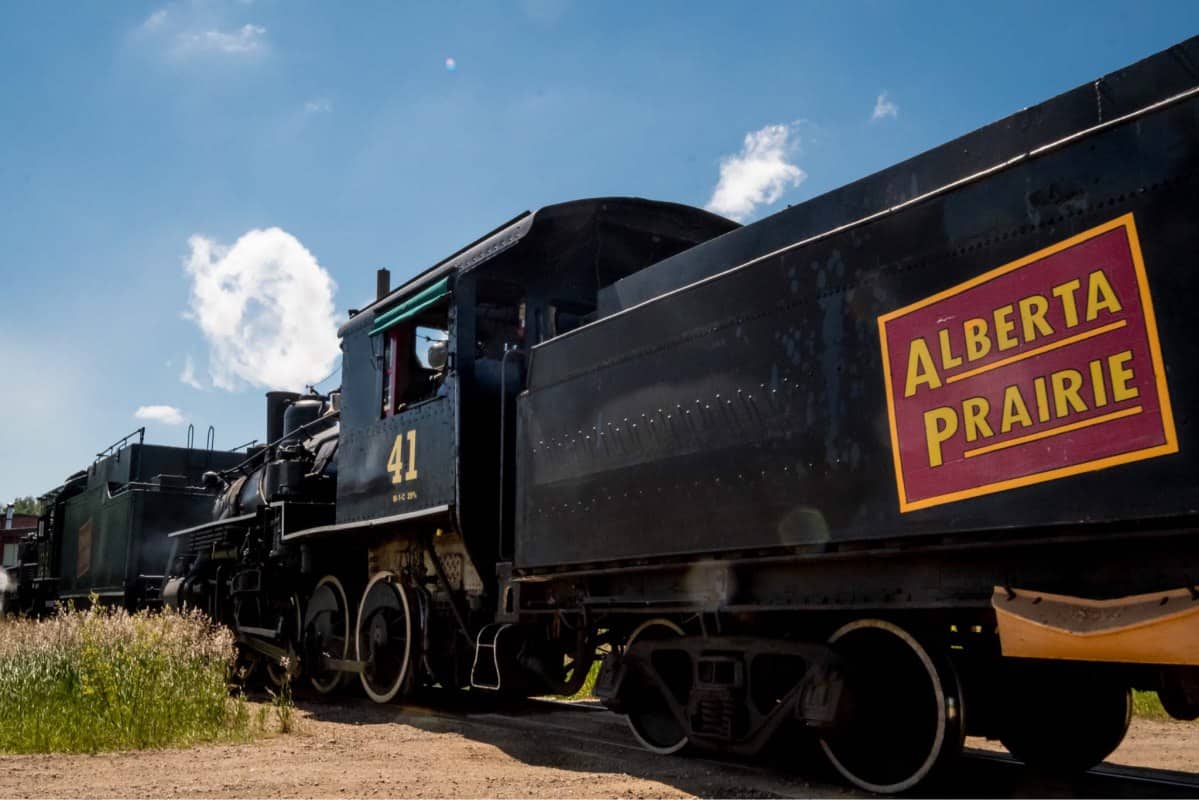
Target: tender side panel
108, 542
750, 412
95, 542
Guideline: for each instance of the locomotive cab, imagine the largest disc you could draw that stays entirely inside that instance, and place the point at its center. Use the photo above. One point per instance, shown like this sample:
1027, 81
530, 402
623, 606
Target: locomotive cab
422, 439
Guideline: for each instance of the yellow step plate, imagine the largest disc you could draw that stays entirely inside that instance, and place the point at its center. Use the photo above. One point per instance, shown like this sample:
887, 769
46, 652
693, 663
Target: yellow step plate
1158, 628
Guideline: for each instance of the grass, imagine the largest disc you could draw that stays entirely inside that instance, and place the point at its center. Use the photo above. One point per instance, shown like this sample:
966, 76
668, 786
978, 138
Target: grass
1146, 706
86, 681
587, 690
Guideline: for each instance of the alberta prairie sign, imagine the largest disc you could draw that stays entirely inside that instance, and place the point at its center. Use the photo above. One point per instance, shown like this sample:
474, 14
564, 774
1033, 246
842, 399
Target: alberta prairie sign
1039, 369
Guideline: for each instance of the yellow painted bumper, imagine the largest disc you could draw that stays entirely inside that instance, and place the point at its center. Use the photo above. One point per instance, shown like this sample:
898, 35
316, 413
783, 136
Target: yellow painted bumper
1158, 628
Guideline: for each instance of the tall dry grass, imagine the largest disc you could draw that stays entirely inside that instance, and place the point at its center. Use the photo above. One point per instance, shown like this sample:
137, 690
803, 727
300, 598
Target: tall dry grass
84, 681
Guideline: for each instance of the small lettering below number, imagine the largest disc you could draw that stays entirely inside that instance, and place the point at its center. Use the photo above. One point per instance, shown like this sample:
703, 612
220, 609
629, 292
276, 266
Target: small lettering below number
395, 462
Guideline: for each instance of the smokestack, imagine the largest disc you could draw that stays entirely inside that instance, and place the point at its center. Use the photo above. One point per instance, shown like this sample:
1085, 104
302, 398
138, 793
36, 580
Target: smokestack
8, 517
382, 283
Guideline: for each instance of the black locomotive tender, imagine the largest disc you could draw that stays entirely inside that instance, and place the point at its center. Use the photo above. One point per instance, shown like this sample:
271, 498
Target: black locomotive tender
103, 533
911, 460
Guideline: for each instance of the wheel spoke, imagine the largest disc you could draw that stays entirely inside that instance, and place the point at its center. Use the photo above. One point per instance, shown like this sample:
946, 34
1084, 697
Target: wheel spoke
904, 709
649, 715
326, 632
384, 638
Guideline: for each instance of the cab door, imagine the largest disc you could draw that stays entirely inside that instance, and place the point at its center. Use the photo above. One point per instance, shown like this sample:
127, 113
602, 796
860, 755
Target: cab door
403, 461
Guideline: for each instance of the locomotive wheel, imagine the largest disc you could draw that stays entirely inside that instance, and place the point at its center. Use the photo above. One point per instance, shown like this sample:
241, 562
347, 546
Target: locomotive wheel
1065, 723
649, 714
327, 632
276, 673
1179, 693
903, 709
384, 637
253, 667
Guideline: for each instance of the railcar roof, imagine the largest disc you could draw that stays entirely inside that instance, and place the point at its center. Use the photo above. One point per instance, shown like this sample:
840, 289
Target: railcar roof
500, 239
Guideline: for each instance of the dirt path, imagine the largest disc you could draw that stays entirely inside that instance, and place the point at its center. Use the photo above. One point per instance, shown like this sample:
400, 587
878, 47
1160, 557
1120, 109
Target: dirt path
360, 750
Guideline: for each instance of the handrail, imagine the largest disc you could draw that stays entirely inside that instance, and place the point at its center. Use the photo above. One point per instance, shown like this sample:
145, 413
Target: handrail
503, 441
140, 433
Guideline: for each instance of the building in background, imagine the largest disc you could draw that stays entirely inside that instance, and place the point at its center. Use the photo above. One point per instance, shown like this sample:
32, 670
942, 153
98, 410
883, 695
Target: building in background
12, 529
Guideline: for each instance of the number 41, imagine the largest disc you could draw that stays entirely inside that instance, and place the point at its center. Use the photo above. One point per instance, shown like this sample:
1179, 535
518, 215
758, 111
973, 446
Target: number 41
395, 462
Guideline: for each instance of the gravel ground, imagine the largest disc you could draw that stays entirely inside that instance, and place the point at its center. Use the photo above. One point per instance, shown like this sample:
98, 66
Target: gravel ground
354, 749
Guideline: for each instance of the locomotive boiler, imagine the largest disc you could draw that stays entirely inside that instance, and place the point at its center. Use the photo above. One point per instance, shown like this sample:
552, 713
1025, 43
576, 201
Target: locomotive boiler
909, 460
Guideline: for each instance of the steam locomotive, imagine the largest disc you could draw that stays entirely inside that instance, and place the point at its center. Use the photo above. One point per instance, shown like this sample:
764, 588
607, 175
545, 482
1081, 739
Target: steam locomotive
907, 461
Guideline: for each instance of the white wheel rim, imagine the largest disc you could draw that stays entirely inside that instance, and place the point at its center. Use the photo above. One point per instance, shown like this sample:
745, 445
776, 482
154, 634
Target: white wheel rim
335, 584
272, 667
938, 738
653, 748
385, 697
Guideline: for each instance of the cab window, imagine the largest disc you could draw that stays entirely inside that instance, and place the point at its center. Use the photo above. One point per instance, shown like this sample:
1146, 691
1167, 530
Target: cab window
414, 360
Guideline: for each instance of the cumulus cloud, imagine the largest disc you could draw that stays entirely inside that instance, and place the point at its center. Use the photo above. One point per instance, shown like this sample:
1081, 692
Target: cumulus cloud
318, 106
758, 175
265, 306
188, 375
246, 40
884, 108
167, 415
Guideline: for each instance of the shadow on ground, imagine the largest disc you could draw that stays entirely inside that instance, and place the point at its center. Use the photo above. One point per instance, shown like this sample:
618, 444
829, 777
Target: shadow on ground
584, 738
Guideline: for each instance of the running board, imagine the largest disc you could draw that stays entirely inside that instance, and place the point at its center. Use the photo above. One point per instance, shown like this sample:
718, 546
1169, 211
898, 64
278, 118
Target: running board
1157, 628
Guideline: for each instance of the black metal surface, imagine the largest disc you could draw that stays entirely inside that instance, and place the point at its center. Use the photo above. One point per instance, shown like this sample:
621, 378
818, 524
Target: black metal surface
367, 488
108, 534
920, 575
749, 411
555, 258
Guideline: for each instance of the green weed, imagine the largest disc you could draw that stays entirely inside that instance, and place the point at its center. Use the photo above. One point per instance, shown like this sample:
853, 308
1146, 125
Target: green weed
109, 680
1147, 706
285, 707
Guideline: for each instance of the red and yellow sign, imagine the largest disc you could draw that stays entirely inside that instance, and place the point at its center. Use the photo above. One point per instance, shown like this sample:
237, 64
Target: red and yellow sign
1045, 367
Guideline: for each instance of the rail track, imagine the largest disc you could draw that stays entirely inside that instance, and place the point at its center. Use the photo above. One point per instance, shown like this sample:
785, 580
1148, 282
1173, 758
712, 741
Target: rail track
794, 771
1106, 780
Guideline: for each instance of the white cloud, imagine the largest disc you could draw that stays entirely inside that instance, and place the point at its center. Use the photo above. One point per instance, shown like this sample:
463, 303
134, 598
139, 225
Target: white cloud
246, 40
884, 107
266, 308
167, 415
318, 106
155, 20
758, 175
188, 375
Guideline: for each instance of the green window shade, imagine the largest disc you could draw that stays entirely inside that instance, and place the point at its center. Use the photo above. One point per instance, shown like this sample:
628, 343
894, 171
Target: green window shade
412, 306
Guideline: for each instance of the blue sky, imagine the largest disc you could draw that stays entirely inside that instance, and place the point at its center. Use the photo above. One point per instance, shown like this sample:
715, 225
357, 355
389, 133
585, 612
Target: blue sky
142, 144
